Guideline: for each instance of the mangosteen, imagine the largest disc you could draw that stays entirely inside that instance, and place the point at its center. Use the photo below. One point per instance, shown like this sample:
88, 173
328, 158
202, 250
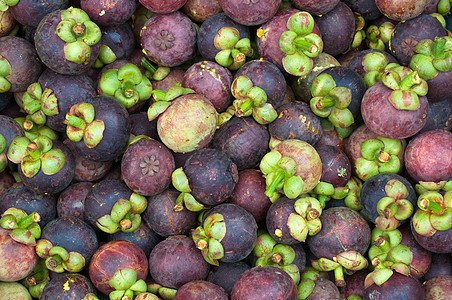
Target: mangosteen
244, 140
169, 39
14, 290
366, 8
439, 116
67, 41
264, 283
30, 13
162, 6
99, 128
397, 285
146, 166
71, 201
211, 80
422, 258
438, 288
6, 181
20, 64
249, 193
10, 129
226, 274
441, 265
387, 200
105, 14
163, 216
175, 261
201, 10
319, 289
227, 233
250, 13
315, 8
202, 290
140, 125
396, 10
118, 42
69, 286
113, 256
336, 167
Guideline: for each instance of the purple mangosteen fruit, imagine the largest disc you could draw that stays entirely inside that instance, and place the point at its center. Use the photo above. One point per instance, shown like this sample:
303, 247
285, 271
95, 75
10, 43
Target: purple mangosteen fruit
397, 9
72, 286
201, 10
226, 274
314, 7
202, 290
162, 6
250, 13
105, 13
71, 201
30, 13
438, 288
397, 285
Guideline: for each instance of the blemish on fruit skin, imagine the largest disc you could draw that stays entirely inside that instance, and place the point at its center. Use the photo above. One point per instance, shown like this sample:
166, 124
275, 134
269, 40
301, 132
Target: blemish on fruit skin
66, 286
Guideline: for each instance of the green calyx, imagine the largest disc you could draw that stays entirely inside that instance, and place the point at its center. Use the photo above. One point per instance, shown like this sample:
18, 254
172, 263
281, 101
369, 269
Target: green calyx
5, 4
79, 33
81, 125
5, 71
24, 227
330, 101
163, 99
154, 73
280, 174
36, 155
125, 215
379, 155
270, 253
208, 238
441, 186
126, 84
233, 50
374, 64
432, 57
306, 220
388, 255
378, 37
435, 213
407, 86
347, 260
360, 33
125, 283
39, 104
185, 199
443, 7
251, 100
394, 207
3, 157
106, 56
58, 259
37, 279
33, 130
300, 44
307, 282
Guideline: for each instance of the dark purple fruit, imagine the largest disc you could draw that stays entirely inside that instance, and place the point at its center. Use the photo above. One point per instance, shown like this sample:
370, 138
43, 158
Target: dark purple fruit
337, 28
43, 183
439, 242
140, 125
200, 290
163, 6
119, 39
296, 121
20, 64
175, 261
356, 63
208, 30
212, 81
82, 237
211, 175
113, 256
71, 201
250, 13
438, 288
244, 140
31, 12
249, 193
366, 8
201, 10
264, 283
9, 129
277, 221
315, 7
441, 265
354, 284
106, 13
6, 181
324, 289
427, 156
143, 236
9, 23
164, 219
398, 286
169, 39
20, 196
146, 167
354, 233
70, 58
226, 274
336, 167
408, 34
422, 258
67, 286
17, 260
115, 134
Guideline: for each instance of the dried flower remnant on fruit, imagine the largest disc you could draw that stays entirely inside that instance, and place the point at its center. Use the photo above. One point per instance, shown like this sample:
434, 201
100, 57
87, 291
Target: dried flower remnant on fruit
250, 1
164, 40
409, 47
149, 165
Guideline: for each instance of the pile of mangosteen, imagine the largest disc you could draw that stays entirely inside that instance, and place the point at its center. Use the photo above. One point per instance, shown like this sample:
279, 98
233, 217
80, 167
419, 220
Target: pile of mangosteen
225, 149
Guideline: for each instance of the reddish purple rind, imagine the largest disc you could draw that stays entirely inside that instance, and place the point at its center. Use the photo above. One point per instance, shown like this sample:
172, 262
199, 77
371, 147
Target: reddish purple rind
175, 261
163, 219
324, 289
401, 10
226, 274
354, 284
398, 286
163, 6
438, 288
315, 7
212, 81
201, 10
6, 181
249, 193
422, 258
439, 242
24, 61
113, 256
200, 290
30, 12
69, 286
336, 167
343, 229
71, 201
183, 46
108, 13
251, 12
384, 119
16, 260
276, 221
264, 283
428, 156
146, 167
441, 265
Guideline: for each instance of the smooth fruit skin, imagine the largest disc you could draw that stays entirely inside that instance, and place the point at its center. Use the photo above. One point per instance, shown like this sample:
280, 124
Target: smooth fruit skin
396, 287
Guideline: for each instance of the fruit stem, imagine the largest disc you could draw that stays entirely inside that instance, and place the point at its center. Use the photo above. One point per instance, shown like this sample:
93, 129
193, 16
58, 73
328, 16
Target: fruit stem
410, 80
430, 203
75, 121
148, 66
302, 44
272, 187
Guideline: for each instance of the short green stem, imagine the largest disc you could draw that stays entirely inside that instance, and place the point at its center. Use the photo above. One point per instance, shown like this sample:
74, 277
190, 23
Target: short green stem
272, 187
75, 121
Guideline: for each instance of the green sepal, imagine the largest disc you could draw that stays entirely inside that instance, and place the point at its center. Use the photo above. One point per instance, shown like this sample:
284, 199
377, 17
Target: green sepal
75, 262
77, 52
305, 288
298, 227
23, 236
120, 209
180, 181
105, 224
123, 279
